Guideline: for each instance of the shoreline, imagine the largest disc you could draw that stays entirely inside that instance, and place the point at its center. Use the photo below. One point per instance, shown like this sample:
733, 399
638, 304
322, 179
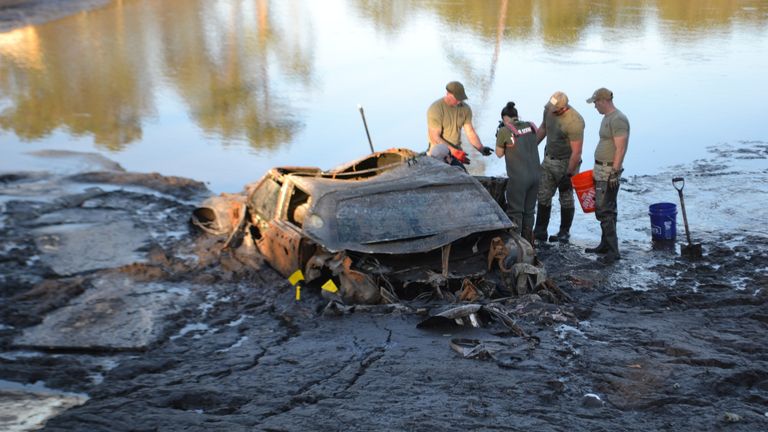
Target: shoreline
653, 342
15, 14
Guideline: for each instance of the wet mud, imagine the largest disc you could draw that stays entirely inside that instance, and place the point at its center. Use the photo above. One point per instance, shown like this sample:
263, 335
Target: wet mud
165, 331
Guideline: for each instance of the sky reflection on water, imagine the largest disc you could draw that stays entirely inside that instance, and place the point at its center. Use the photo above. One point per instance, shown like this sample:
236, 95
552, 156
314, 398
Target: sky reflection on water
222, 90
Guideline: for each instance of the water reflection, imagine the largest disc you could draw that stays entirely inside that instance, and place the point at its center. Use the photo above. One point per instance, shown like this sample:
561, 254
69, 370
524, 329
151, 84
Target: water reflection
101, 72
85, 82
22, 47
223, 58
563, 22
240, 69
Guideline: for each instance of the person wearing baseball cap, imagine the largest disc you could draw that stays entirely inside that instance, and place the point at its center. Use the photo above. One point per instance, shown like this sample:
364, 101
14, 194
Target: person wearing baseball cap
447, 117
609, 164
563, 127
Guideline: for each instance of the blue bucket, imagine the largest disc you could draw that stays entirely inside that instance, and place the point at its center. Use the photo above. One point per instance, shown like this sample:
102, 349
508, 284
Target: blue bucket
663, 221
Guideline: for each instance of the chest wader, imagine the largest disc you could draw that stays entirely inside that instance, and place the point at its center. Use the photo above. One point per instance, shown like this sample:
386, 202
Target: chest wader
521, 157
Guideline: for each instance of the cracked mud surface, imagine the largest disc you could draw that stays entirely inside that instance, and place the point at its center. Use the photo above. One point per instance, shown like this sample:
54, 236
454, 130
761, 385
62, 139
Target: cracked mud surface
655, 342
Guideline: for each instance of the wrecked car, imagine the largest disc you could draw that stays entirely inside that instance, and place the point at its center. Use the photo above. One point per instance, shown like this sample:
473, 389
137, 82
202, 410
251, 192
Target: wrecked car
392, 225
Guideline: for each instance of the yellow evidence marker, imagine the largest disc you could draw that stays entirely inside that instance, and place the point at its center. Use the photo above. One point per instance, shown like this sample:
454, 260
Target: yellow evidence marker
330, 286
296, 278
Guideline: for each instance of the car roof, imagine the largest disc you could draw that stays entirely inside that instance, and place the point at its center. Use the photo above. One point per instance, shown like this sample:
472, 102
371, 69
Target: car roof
413, 205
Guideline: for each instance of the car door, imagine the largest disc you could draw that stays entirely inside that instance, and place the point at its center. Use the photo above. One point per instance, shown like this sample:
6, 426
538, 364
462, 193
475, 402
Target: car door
281, 241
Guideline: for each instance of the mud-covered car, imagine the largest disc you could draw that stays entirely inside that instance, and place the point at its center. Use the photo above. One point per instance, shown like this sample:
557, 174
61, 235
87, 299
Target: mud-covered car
392, 225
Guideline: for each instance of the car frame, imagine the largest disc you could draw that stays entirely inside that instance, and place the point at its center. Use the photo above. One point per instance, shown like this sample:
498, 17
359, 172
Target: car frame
392, 225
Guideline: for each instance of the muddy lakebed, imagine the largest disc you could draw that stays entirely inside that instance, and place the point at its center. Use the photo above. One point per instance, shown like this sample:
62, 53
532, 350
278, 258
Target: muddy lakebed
116, 314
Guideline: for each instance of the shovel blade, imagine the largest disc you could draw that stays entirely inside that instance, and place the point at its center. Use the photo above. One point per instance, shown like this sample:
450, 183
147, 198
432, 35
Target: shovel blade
692, 251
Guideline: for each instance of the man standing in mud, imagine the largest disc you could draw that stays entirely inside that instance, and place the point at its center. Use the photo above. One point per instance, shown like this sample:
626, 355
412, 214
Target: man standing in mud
609, 162
563, 127
447, 117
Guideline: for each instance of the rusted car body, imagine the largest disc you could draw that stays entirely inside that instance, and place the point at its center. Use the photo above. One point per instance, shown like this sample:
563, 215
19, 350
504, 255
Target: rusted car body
391, 225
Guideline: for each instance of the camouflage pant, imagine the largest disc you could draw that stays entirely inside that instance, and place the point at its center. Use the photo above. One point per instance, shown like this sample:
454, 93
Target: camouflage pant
605, 199
554, 178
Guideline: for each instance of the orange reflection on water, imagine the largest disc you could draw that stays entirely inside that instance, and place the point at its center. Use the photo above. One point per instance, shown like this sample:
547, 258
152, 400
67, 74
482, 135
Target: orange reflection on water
22, 46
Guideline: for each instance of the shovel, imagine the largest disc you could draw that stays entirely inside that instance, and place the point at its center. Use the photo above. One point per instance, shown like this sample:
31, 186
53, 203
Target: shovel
690, 250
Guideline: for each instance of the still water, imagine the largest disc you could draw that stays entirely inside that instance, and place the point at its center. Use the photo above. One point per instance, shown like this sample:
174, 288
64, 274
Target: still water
221, 90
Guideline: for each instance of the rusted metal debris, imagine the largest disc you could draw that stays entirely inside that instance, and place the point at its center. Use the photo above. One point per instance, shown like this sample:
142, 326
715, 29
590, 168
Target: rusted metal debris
391, 226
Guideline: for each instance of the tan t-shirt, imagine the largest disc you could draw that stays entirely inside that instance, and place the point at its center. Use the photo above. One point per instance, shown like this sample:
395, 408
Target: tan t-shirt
613, 125
561, 130
449, 119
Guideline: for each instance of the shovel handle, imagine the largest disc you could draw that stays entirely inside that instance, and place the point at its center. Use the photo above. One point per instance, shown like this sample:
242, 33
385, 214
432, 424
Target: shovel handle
680, 181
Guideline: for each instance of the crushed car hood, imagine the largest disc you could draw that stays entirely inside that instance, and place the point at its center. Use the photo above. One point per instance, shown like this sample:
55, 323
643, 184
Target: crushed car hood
413, 207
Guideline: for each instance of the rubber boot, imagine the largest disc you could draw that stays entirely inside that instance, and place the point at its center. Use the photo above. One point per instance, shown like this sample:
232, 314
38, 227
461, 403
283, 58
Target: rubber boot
566, 220
611, 241
601, 248
542, 221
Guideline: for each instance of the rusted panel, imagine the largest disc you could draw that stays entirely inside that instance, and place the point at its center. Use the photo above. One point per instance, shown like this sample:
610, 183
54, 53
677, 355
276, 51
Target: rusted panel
357, 287
393, 218
280, 245
220, 214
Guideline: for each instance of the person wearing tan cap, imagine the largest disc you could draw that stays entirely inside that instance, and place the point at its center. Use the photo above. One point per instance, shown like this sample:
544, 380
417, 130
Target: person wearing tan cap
447, 117
563, 127
609, 164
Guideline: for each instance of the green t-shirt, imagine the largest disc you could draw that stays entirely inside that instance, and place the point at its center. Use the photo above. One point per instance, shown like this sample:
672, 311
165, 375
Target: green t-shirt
613, 125
449, 119
561, 130
503, 136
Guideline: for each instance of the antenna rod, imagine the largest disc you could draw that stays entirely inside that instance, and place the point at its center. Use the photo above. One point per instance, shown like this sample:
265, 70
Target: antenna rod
365, 123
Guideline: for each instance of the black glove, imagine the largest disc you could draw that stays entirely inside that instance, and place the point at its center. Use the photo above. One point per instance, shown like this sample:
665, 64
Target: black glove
614, 179
486, 151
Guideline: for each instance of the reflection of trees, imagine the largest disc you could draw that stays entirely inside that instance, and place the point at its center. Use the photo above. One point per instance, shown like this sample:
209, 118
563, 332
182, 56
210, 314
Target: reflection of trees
562, 22
557, 23
97, 73
387, 16
83, 81
704, 15
227, 76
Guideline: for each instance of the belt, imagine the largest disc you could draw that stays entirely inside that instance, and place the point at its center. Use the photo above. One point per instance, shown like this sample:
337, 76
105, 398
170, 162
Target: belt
554, 158
597, 162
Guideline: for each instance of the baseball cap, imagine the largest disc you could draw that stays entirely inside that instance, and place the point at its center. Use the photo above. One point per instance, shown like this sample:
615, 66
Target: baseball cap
457, 90
601, 93
439, 151
557, 101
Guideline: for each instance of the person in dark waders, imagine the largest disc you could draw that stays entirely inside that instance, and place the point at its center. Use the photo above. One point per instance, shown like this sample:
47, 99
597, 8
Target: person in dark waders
609, 163
516, 143
563, 127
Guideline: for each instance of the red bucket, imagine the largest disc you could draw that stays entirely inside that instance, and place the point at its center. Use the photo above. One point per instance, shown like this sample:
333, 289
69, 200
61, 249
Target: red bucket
584, 185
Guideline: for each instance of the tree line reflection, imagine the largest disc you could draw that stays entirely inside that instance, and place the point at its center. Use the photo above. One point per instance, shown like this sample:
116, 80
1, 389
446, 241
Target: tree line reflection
102, 73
